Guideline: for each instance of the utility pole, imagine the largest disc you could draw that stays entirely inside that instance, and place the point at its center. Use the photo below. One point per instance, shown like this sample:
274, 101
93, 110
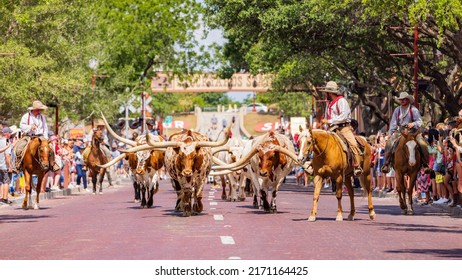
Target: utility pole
416, 66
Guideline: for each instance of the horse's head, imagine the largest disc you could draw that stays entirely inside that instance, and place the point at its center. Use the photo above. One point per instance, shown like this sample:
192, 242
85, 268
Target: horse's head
98, 137
41, 151
306, 144
409, 144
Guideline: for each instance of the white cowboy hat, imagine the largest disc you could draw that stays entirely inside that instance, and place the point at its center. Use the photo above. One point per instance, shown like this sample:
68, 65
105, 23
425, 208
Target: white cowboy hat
37, 105
404, 95
331, 87
14, 129
100, 123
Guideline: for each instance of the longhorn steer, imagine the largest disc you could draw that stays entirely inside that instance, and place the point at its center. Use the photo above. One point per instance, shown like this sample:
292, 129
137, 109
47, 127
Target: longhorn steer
231, 153
188, 160
144, 166
268, 159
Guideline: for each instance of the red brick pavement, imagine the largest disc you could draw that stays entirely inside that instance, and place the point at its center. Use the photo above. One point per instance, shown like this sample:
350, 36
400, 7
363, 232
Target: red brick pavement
111, 226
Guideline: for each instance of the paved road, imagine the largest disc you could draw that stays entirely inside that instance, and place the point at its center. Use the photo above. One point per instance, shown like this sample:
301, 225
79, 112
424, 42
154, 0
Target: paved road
111, 227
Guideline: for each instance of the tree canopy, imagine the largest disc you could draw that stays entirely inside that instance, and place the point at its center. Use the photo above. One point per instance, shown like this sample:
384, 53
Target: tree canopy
365, 45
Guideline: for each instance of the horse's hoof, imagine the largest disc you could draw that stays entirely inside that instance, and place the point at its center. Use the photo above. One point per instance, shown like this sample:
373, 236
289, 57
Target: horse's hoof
339, 219
241, 198
410, 212
36, 207
403, 211
25, 207
312, 219
351, 218
186, 213
372, 215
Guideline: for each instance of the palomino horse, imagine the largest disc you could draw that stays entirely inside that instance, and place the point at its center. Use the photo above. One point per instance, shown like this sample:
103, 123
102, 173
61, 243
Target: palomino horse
35, 162
407, 161
330, 161
95, 159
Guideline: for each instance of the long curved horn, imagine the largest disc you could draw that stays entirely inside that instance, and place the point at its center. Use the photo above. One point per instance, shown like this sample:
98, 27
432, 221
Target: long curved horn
218, 161
115, 135
240, 163
148, 136
219, 173
114, 161
215, 144
288, 153
220, 149
143, 147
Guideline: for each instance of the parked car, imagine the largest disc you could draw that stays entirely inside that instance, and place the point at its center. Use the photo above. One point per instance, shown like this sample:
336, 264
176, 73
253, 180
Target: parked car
259, 107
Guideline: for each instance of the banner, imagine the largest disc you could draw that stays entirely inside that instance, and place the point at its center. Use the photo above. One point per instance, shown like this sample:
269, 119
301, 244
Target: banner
295, 123
246, 82
76, 133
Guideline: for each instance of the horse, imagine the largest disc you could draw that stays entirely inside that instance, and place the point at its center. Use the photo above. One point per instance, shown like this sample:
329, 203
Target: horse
407, 161
330, 161
95, 159
35, 162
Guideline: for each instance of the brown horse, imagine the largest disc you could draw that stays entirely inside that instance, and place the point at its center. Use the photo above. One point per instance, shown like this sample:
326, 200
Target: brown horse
35, 162
330, 161
407, 161
95, 159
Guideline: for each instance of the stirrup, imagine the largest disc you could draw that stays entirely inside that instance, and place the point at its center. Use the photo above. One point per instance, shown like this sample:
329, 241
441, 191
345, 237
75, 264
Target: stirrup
357, 171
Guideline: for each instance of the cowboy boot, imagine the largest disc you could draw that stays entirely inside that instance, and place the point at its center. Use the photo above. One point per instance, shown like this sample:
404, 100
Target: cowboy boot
386, 167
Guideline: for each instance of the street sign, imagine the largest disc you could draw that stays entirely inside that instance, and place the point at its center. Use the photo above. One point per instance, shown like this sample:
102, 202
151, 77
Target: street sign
168, 119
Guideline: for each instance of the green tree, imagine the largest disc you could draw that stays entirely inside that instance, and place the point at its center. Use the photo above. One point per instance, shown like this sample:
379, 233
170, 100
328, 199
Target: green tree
306, 43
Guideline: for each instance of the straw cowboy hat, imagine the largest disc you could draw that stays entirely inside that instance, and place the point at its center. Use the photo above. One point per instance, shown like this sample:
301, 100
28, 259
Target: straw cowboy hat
14, 129
404, 95
331, 87
37, 105
100, 123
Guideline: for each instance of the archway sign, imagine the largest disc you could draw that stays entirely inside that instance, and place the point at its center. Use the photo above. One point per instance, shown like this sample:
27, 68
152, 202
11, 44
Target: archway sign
209, 82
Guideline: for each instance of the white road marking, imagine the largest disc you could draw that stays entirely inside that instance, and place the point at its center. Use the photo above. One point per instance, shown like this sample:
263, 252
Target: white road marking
227, 240
218, 217
234, 258
213, 203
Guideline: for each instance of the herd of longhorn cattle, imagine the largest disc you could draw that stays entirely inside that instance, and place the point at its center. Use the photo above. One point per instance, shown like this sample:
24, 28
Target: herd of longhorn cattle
190, 158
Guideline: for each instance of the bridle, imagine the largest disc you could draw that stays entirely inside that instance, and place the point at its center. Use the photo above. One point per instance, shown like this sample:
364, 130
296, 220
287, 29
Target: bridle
37, 157
310, 148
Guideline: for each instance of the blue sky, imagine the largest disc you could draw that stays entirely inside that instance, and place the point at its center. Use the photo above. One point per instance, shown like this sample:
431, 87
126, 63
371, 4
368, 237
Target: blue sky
216, 36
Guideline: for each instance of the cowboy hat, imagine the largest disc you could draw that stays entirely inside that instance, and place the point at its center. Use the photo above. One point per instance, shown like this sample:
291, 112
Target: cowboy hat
404, 95
14, 129
100, 123
37, 105
331, 87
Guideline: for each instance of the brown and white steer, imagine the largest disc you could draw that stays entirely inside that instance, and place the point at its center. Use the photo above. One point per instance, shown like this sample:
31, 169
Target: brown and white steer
228, 154
188, 161
268, 159
144, 166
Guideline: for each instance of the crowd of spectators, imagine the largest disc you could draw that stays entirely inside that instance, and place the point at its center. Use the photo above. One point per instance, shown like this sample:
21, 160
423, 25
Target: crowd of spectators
443, 185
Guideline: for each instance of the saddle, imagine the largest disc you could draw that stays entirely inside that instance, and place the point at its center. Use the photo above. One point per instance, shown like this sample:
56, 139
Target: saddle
341, 140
